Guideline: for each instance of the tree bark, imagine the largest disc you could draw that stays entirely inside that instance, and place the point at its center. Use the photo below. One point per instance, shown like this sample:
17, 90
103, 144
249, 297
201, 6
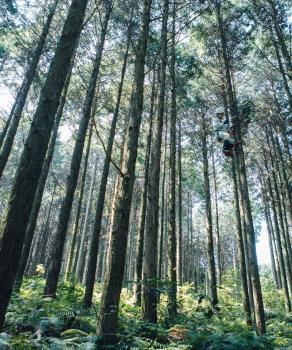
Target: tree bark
179, 194
108, 317
149, 303
141, 227
239, 158
172, 244
282, 257
161, 257
218, 248
209, 226
78, 212
84, 236
22, 194
56, 259
241, 253
41, 186
270, 234
94, 241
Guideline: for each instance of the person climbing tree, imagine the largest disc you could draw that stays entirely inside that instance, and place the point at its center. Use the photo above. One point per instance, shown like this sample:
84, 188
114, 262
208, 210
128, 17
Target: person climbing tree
224, 133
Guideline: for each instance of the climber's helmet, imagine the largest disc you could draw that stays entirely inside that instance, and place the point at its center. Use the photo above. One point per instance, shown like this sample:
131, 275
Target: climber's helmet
220, 113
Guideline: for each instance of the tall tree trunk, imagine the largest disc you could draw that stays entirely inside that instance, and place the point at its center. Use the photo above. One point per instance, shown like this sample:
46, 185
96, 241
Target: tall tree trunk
270, 234
16, 112
41, 186
84, 235
108, 317
149, 303
79, 205
141, 227
94, 241
239, 234
209, 226
22, 194
218, 248
286, 239
179, 194
239, 157
56, 259
161, 258
44, 234
282, 257
172, 245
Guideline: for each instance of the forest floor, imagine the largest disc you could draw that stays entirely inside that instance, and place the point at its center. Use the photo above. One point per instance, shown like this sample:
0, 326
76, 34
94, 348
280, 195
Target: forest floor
62, 323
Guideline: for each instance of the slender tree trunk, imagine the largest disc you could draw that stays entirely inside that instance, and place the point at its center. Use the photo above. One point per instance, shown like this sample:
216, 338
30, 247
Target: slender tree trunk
149, 303
44, 234
108, 317
78, 212
239, 158
56, 259
270, 235
241, 253
84, 236
78, 247
16, 113
141, 227
172, 245
94, 241
282, 257
179, 194
17, 213
285, 239
163, 209
218, 248
41, 186
209, 226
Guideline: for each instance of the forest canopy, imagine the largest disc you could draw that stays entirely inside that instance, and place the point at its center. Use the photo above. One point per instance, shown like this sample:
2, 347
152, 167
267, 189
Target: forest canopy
146, 174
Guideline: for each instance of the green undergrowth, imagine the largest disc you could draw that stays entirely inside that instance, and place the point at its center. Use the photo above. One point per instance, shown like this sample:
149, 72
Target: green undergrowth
62, 323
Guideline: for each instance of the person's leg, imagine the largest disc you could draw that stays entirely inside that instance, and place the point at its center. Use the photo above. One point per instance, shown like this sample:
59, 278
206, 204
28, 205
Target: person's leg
228, 148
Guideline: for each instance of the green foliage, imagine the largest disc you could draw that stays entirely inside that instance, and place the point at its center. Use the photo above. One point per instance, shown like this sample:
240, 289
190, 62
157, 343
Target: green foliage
66, 325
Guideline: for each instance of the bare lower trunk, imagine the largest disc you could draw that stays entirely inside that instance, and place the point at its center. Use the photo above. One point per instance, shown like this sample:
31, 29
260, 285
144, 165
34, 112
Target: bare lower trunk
149, 303
94, 241
218, 248
179, 193
57, 253
108, 318
85, 229
78, 212
209, 226
172, 245
41, 186
280, 250
243, 269
240, 160
141, 227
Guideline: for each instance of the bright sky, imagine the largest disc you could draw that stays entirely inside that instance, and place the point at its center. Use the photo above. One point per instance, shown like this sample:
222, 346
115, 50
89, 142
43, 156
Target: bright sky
6, 99
263, 250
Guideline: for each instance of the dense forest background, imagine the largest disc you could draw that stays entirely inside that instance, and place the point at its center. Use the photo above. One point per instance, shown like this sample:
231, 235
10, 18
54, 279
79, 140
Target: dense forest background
123, 223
